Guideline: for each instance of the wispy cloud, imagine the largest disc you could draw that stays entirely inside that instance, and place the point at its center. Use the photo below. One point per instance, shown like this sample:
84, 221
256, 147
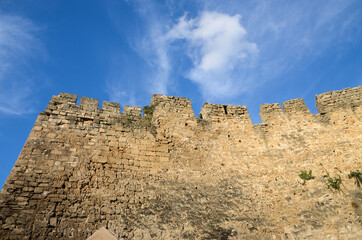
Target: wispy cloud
290, 34
235, 47
18, 46
152, 45
119, 95
149, 72
216, 43
219, 49
155, 52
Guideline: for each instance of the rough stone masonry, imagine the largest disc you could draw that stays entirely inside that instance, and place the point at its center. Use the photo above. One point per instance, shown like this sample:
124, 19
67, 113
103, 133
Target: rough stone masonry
171, 175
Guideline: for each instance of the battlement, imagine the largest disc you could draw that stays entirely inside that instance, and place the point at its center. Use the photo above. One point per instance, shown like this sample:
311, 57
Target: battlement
168, 105
291, 108
111, 107
210, 111
269, 111
295, 106
346, 98
132, 110
67, 102
89, 103
182, 107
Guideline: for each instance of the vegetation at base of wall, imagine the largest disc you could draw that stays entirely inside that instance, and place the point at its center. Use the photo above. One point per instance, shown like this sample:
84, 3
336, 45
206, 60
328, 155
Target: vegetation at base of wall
306, 175
357, 175
333, 182
148, 110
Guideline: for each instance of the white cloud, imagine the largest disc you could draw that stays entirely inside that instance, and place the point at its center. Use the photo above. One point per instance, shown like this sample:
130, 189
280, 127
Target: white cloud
146, 40
18, 45
220, 51
155, 52
291, 34
230, 55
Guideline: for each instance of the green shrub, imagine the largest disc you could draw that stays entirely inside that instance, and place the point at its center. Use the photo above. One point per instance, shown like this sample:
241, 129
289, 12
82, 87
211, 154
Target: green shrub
357, 175
333, 182
306, 176
148, 110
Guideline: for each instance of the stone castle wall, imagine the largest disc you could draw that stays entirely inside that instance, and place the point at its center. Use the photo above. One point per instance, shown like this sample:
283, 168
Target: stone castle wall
170, 175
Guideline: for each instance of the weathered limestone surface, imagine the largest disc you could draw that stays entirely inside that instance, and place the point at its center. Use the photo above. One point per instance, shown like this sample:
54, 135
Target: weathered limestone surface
170, 175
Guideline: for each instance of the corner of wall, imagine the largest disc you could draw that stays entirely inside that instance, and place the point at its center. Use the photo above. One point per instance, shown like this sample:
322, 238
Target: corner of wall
62, 101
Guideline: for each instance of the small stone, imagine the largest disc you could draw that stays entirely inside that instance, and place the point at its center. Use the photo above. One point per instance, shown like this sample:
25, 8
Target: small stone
53, 221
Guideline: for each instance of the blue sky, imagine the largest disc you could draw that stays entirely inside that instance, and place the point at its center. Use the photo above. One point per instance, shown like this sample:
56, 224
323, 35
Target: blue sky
228, 52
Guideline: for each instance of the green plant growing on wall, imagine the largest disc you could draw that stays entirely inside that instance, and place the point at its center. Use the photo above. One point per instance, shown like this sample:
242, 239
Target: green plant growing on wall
148, 110
357, 175
306, 175
333, 182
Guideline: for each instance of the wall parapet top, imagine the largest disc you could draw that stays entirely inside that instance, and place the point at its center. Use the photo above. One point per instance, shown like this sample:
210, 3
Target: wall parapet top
346, 98
295, 106
182, 107
67, 102
210, 111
